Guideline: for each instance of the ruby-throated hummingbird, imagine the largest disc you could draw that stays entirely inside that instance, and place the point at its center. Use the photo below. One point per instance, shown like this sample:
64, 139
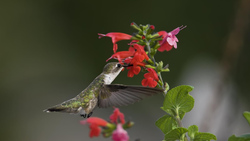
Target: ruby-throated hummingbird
103, 94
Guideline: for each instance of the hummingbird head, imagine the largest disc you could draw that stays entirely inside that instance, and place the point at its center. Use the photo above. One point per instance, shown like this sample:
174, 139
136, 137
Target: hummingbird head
111, 70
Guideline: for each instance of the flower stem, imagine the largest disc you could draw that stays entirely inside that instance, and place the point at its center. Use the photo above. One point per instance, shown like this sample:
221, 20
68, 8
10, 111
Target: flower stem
153, 59
149, 53
178, 120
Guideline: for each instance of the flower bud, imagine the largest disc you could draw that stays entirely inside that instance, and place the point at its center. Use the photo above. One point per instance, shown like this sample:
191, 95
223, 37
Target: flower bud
135, 26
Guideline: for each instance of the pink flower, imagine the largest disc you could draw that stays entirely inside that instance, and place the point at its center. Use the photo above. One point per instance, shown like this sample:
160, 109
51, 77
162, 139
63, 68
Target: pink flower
169, 40
151, 78
116, 36
117, 115
94, 125
120, 134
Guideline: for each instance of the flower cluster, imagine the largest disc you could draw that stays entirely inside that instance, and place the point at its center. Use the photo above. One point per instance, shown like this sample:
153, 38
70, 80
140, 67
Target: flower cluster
115, 127
140, 54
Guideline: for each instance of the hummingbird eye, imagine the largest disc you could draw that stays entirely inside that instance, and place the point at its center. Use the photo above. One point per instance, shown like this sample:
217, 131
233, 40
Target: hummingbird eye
119, 65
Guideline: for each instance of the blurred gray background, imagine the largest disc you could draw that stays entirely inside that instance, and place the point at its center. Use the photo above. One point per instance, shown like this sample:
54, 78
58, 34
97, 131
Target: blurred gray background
50, 51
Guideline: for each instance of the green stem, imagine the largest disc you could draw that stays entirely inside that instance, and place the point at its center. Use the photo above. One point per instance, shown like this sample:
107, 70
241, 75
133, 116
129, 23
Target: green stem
153, 59
178, 120
149, 53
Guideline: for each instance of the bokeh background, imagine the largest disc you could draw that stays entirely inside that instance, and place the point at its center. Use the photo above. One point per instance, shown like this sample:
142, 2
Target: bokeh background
50, 51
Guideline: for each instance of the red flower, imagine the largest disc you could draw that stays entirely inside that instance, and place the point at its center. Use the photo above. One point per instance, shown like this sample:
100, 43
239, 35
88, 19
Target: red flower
136, 61
163, 44
94, 125
120, 134
169, 40
140, 51
151, 78
134, 70
117, 115
134, 56
122, 55
116, 36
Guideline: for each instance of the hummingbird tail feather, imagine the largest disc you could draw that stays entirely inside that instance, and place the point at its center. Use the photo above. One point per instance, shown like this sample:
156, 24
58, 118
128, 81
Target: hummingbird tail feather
56, 109
69, 106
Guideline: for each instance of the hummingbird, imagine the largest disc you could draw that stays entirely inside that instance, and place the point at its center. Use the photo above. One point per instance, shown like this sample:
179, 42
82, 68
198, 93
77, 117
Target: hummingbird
101, 93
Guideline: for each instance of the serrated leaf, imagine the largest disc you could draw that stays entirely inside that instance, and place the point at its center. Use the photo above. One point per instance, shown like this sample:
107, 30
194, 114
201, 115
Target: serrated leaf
192, 130
166, 123
247, 116
175, 134
234, 138
178, 100
204, 137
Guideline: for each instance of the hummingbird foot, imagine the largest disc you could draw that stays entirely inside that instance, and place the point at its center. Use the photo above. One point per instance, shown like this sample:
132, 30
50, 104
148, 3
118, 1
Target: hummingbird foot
86, 115
90, 114
83, 115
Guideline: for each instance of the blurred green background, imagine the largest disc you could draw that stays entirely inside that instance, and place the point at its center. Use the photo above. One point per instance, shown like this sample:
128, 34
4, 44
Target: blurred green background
50, 51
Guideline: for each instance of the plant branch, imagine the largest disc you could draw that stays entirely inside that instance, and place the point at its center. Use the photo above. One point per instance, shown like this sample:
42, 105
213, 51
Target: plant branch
153, 59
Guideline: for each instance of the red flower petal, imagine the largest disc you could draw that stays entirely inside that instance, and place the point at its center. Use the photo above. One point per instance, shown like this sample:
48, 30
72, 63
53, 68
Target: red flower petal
96, 120
130, 73
144, 82
94, 123
151, 78
140, 50
116, 36
163, 34
165, 46
153, 74
117, 115
149, 82
95, 130
120, 56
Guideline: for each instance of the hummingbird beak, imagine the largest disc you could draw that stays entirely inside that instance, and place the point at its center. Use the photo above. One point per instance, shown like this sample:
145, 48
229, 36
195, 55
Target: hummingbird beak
127, 65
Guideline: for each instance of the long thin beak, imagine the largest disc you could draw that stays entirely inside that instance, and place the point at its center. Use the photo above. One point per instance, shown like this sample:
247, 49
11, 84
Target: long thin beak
127, 65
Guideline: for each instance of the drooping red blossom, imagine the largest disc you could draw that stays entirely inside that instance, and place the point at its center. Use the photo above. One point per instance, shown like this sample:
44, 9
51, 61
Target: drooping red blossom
140, 50
117, 116
116, 36
94, 125
169, 40
136, 66
136, 61
134, 56
163, 44
121, 56
120, 134
133, 70
151, 78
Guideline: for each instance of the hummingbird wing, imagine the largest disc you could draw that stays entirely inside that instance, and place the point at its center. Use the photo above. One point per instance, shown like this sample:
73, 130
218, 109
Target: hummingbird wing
123, 95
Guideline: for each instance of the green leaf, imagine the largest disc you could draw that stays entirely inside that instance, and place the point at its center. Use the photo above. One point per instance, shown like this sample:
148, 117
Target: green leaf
192, 130
199, 136
204, 137
234, 138
175, 134
178, 100
245, 136
247, 116
166, 123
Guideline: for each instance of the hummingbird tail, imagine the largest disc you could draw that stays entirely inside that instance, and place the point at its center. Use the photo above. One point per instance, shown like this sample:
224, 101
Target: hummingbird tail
69, 106
56, 109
